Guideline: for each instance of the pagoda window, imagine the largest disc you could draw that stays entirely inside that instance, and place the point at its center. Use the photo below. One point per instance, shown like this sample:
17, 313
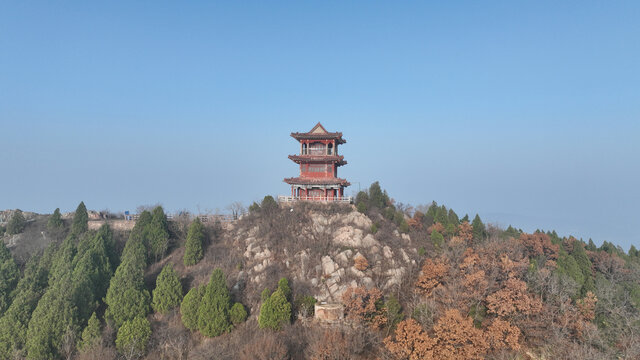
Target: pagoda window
329, 149
304, 149
319, 168
317, 149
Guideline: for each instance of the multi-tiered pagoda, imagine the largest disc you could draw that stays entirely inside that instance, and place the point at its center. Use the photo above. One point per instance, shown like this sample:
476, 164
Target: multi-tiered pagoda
319, 162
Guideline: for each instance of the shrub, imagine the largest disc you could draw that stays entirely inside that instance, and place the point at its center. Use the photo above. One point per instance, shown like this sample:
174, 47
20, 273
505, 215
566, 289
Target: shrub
237, 314
275, 312
133, 337
16, 224
189, 308
437, 239
268, 203
361, 263
305, 305
168, 291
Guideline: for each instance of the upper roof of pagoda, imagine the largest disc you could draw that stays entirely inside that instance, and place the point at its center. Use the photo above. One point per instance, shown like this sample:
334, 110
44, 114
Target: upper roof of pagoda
319, 133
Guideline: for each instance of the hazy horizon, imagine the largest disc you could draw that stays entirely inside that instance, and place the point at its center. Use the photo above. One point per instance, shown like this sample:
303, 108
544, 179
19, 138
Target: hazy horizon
528, 115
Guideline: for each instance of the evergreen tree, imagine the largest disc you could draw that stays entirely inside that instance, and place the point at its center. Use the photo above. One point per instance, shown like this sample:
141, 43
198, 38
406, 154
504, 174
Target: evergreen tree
377, 197
633, 252
14, 323
237, 314
55, 221
213, 313
16, 224
479, 231
283, 285
168, 291
453, 218
268, 204
133, 337
465, 218
437, 239
275, 312
442, 215
189, 308
91, 334
127, 296
80, 220
592, 246
193, 252
158, 234
9, 276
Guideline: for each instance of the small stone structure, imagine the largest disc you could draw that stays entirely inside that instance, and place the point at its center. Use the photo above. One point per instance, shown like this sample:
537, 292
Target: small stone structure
329, 313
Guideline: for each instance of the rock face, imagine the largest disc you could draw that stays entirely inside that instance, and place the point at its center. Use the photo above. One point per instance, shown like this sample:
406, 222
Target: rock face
331, 271
329, 313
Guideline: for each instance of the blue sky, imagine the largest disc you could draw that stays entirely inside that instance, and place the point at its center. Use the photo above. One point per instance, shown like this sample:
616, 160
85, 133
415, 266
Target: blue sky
526, 113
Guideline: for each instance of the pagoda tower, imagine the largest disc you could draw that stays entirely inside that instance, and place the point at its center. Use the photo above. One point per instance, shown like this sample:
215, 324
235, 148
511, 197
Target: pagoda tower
319, 162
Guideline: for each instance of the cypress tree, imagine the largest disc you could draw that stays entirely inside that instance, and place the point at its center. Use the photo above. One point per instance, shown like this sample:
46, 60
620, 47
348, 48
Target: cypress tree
237, 314
80, 220
193, 252
133, 337
213, 313
158, 234
453, 218
127, 296
9, 276
479, 231
55, 220
168, 291
17, 223
275, 312
189, 308
91, 333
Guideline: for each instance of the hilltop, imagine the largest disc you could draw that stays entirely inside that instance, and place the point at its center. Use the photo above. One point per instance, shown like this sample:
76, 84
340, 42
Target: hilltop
410, 284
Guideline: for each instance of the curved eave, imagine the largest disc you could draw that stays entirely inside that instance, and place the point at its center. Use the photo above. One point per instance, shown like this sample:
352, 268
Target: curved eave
328, 136
316, 181
338, 159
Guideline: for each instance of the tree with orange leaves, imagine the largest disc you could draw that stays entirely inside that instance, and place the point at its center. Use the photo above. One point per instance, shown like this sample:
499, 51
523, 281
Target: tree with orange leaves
361, 304
457, 338
432, 276
513, 299
502, 335
411, 342
465, 231
539, 244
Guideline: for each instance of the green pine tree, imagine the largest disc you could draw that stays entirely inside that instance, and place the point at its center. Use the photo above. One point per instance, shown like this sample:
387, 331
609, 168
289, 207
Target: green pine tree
133, 337
453, 218
189, 308
275, 312
194, 252
237, 314
213, 313
80, 220
168, 291
9, 276
55, 221
479, 230
17, 223
158, 234
91, 334
437, 239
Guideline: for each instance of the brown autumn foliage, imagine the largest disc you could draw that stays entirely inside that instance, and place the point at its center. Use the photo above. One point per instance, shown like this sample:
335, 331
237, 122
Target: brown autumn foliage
416, 221
502, 335
360, 305
587, 306
539, 244
513, 299
436, 227
454, 337
361, 263
432, 276
465, 231
410, 342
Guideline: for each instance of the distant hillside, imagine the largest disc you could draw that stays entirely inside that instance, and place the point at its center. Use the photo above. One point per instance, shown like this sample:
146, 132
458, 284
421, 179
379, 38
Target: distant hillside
414, 284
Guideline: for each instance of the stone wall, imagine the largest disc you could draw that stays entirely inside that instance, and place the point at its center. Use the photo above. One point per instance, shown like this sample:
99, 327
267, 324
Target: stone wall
330, 313
121, 225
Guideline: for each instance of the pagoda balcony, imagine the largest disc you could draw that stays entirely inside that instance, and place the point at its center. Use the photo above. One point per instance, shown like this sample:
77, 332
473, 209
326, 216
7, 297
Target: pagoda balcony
338, 199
